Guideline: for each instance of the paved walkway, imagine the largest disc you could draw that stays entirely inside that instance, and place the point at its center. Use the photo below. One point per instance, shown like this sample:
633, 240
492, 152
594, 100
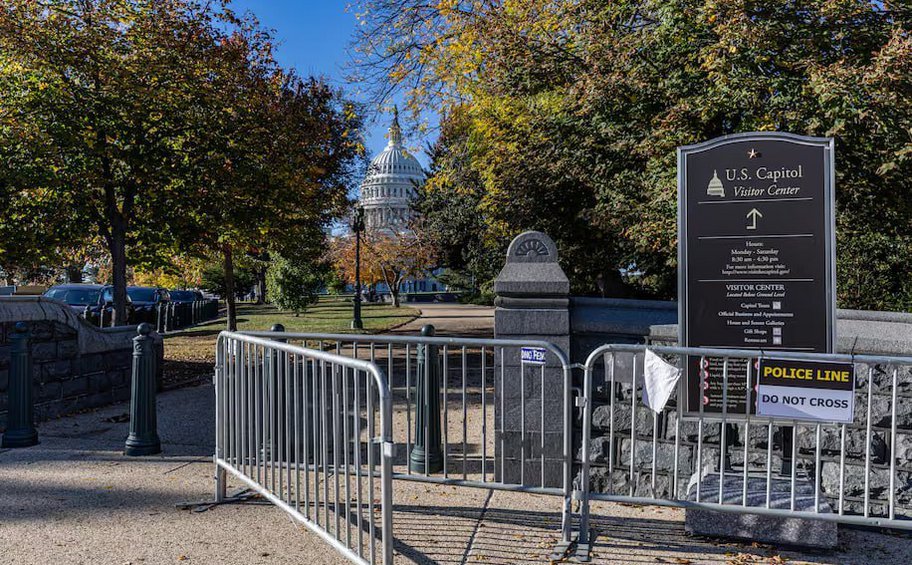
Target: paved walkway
467, 320
76, 499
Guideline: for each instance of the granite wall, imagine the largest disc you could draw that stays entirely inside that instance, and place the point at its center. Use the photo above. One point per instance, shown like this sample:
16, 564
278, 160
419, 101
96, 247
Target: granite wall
75, 366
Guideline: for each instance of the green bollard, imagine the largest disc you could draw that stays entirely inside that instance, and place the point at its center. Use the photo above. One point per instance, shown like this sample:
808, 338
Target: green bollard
427, 456
20, 428
143, 438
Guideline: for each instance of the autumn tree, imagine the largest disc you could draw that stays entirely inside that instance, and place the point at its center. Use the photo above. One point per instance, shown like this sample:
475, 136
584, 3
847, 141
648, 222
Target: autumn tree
387, 256
341, 255
165, 128
571, 112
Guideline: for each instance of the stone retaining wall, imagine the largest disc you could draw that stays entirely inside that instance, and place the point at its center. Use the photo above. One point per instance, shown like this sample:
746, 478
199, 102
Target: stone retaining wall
75, 366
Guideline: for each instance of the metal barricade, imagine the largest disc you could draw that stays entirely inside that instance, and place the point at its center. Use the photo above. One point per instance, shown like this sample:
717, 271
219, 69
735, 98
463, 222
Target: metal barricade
730, 462
472, 402
311, 432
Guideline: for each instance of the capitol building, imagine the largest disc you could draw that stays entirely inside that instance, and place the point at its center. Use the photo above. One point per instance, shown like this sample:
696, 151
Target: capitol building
387, 191
390, 185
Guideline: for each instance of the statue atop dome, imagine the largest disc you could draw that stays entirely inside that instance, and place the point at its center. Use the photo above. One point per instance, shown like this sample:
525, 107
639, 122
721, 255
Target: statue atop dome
395, 132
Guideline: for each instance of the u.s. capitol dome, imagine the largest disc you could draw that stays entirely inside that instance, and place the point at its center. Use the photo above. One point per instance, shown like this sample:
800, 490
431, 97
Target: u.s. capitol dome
390, 184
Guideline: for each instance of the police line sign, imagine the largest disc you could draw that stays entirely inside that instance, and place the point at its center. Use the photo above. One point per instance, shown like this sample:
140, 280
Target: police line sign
806, 390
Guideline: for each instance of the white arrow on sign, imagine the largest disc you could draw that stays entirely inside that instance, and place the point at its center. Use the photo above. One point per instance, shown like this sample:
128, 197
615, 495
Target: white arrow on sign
752, 216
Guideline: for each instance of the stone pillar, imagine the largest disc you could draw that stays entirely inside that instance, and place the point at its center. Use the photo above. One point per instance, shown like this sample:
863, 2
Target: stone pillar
532, 304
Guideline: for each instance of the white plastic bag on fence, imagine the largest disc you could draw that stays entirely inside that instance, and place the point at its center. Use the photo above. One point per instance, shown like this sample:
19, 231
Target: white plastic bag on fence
659, 381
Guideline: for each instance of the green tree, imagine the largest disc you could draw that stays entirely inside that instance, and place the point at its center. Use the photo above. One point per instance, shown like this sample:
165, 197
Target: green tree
454, 218
276, 170
165, 128
96, 107
213, 280
294, 285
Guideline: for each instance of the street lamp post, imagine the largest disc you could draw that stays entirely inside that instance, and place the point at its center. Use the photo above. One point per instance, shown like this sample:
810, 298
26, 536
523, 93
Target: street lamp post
358, 227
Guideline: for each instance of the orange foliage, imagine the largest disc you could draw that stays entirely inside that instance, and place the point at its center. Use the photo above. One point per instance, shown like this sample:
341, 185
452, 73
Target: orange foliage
386, 256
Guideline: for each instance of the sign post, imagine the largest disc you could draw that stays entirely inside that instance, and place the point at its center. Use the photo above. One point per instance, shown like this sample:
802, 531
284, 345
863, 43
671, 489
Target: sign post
756, 255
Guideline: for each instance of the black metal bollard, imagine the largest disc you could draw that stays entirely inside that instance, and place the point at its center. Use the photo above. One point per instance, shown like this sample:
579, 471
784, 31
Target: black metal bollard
143, 438
20, 428
427, 456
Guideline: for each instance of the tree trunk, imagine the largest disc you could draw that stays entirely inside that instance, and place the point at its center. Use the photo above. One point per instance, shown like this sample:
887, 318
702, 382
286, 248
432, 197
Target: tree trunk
118, 249
394, 291
261, 286
73, 274
230, 304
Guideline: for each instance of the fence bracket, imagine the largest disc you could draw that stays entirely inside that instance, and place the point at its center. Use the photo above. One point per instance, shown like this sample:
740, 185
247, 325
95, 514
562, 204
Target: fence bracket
242, 496
582, 552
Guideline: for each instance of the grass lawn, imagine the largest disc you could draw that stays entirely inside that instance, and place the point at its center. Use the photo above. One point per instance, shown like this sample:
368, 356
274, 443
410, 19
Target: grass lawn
190, 354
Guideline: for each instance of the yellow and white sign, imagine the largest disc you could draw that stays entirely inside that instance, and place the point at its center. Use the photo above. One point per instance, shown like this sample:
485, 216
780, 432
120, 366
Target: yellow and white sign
806, 390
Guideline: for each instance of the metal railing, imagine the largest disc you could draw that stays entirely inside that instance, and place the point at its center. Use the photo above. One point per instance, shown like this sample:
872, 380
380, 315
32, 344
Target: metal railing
446, 395
653, 458
164, 316
472, 403
172, 316
311, 432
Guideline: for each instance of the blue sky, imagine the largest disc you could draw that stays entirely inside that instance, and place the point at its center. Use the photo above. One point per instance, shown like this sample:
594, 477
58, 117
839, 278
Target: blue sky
313, 37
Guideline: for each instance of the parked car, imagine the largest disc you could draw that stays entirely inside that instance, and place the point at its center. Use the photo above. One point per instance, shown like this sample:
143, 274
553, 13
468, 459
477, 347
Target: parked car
98, 298
146, 300
184, 296
147, 295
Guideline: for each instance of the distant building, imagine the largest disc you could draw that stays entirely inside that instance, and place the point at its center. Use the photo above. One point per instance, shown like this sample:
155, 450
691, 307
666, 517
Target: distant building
387, 192
390, 184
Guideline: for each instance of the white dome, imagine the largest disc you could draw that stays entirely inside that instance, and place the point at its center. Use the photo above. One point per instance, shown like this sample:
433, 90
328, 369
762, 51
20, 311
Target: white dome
389, 186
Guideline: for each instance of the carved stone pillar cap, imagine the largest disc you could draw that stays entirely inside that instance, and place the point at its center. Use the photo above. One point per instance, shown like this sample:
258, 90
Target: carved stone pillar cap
532, 269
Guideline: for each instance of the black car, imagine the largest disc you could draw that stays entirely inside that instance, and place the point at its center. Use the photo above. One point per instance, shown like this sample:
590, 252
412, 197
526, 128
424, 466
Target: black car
97, 297
185, 296
146, 300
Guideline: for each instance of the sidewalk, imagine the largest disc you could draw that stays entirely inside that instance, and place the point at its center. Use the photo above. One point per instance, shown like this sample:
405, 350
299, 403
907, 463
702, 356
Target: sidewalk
451, 319
76, 499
